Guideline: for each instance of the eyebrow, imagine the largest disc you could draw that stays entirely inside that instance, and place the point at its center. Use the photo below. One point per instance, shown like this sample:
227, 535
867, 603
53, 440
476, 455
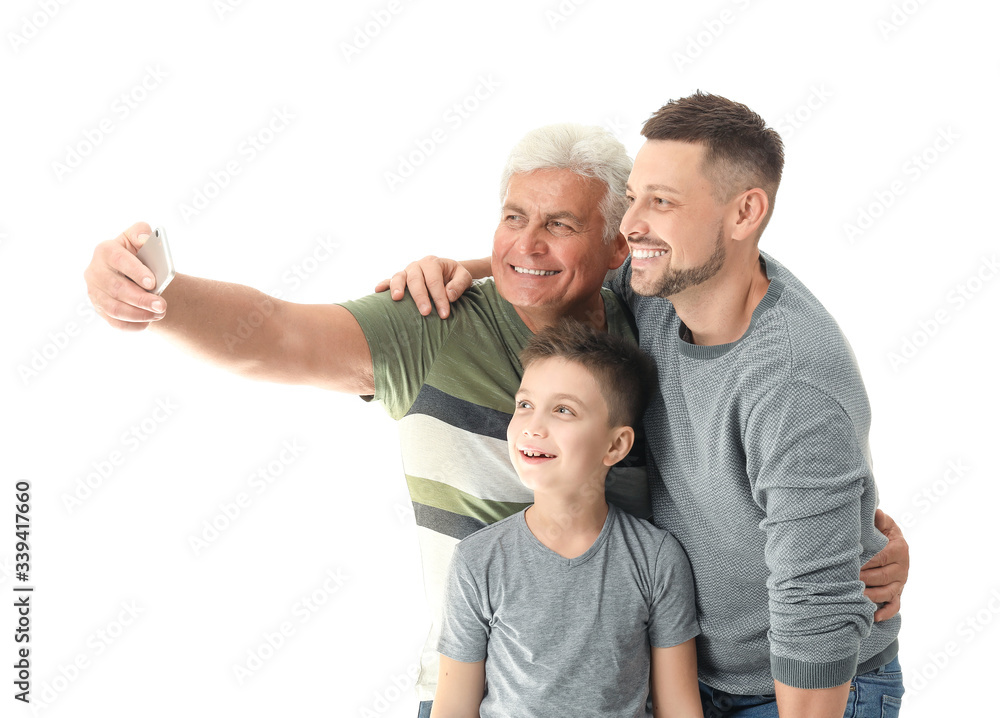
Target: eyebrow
512, 207
562, 214
522, 393
655, 188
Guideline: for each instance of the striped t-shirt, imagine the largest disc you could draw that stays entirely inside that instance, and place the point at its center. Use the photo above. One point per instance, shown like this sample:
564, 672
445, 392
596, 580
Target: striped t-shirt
451, 384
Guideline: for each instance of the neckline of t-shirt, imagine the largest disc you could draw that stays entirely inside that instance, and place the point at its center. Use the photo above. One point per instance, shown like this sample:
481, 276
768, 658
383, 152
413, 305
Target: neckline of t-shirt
576, 560
770, 298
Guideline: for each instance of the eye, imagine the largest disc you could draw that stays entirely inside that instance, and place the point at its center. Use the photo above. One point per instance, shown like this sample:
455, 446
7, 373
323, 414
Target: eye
565, 410
661, 202
559, 229
629, 198
521, 404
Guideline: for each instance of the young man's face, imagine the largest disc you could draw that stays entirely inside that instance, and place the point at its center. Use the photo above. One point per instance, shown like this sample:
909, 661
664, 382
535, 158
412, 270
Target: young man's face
548, 250
674, 225
559, 437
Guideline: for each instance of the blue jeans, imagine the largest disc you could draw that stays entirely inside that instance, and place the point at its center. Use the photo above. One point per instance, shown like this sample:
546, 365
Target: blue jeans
425, 709
876, 694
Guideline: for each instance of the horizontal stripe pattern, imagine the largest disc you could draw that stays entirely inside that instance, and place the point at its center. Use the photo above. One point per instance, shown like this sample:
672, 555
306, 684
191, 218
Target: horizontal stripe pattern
476, 464
446, 522
460, 413
443, 496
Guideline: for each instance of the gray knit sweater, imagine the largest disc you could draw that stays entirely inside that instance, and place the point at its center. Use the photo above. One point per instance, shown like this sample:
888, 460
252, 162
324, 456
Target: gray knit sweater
760, 468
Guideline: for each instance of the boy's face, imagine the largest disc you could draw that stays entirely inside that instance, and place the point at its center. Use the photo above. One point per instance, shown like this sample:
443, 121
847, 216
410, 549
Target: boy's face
559, 437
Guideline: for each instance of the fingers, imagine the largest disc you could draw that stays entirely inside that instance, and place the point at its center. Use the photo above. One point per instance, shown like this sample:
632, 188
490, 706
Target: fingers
425, 279
411, 278
124, 262
875, 576
117, 311
113, 281
418, 285
884, 594
886, 573
431, 278
878, 560
896, 551
895, 557
888, 610
122, 325
889, 566
397, 285
459, 283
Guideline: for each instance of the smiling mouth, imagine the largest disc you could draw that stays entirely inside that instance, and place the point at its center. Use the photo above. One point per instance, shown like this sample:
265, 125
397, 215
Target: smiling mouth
535, 454
638, 253
536, 272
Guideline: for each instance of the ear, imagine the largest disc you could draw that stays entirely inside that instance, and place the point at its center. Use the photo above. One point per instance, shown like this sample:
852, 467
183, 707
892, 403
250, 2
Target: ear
750, 208
622, 438
619, 251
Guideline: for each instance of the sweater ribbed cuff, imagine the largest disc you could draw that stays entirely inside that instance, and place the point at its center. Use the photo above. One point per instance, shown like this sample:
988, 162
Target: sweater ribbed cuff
799, 674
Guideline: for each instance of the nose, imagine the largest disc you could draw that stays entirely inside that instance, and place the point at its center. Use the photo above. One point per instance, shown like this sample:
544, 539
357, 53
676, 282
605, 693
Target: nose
532, 240
633, 222
533, 426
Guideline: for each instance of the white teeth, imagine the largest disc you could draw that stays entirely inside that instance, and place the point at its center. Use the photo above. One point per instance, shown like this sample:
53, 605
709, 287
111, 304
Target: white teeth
647, 253
535, 453
539, 272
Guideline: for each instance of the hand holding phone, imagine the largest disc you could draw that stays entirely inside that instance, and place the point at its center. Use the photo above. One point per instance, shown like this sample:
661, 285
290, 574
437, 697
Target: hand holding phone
155, 254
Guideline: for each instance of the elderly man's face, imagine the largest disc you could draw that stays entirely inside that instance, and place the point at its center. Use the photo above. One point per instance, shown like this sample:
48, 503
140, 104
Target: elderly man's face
548, 250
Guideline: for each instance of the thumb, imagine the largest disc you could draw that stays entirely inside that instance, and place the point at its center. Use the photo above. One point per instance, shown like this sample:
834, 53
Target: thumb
136, 236
885, 524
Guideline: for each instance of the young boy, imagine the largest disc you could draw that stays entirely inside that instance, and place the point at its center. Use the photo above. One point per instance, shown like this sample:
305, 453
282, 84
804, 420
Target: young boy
570, 607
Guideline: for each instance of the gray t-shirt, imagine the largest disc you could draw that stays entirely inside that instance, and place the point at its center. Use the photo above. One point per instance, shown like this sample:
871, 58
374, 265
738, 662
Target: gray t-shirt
567, 637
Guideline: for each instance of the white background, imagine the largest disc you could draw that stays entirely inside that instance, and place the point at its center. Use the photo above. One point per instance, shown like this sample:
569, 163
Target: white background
857, 89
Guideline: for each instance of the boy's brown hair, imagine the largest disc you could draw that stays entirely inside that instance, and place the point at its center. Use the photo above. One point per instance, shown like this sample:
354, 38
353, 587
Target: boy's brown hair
624, 373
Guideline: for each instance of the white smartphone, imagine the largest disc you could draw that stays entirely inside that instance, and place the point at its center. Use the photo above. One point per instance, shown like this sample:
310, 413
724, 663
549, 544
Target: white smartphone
155, 254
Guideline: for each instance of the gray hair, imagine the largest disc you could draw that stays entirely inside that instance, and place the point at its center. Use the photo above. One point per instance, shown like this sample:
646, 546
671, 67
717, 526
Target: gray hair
587, 151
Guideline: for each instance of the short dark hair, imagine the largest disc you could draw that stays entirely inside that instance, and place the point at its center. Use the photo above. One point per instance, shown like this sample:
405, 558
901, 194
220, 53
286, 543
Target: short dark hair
625, 374
741, 151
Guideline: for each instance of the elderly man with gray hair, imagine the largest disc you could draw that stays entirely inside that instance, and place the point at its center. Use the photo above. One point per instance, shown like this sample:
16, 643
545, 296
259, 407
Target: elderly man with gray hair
450, 384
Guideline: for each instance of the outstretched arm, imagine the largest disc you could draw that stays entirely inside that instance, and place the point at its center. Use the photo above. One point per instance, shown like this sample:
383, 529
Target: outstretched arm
437, 280
235, 327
